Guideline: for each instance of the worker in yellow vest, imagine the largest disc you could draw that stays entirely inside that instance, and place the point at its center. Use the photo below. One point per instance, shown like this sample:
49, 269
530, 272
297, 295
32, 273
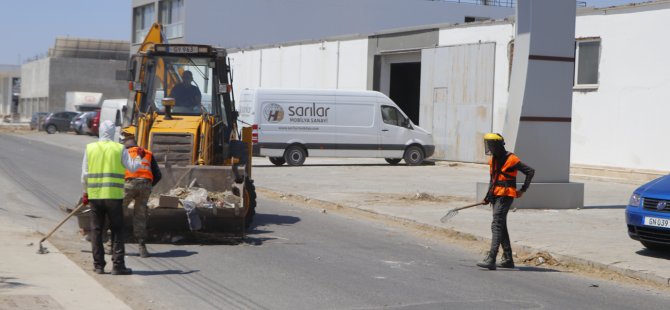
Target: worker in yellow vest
138, 186
503, 168
103, 171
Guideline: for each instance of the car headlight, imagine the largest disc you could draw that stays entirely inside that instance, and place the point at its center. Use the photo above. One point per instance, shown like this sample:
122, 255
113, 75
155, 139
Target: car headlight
634, 200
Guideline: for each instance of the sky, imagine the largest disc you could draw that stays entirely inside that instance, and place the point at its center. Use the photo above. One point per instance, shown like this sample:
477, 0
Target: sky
28, 28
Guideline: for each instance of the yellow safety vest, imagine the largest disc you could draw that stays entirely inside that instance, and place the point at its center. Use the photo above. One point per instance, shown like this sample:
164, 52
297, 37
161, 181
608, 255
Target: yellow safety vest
105, 170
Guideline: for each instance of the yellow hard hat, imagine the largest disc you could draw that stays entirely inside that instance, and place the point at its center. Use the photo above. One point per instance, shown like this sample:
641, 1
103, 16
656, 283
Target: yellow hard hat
493, 136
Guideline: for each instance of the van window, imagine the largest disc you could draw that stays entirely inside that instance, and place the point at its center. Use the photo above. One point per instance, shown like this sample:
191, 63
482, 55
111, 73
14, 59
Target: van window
392, 116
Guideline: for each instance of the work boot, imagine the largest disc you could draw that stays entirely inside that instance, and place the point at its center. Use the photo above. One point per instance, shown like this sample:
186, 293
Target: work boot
122, 271
143, 250
99, 270
506, 261
489, 262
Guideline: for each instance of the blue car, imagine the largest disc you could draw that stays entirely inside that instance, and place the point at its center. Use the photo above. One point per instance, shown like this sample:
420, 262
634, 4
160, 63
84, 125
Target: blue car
648, 214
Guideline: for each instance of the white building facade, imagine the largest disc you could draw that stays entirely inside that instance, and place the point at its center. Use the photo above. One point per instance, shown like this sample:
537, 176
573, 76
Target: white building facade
460, 75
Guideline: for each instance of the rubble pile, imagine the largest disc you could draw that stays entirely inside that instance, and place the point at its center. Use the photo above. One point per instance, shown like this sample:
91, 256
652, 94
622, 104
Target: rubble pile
199, 197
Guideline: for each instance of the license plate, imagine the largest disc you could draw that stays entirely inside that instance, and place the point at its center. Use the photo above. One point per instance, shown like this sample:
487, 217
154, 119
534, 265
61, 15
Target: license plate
657, 222
184, 49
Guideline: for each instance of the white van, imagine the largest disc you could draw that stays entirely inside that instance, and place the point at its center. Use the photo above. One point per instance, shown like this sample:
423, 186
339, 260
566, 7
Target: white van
291, 124
112, 109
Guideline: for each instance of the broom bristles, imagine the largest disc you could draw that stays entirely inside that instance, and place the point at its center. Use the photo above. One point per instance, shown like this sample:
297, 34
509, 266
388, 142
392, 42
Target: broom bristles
448, 216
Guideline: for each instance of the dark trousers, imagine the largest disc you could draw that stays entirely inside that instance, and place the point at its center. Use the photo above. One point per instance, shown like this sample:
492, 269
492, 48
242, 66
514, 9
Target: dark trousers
111, 209
499, 225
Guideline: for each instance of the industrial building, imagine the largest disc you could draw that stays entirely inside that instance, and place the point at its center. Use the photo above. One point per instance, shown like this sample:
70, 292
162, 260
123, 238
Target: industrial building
73, 65
453, 78
10, 87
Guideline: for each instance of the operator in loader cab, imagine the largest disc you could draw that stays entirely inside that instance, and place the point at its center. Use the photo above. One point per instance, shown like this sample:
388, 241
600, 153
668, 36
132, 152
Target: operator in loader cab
102, 176
503, 168
186, 95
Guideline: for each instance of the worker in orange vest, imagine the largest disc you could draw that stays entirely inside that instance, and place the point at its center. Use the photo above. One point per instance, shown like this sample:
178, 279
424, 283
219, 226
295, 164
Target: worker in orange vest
503, 168
137, 188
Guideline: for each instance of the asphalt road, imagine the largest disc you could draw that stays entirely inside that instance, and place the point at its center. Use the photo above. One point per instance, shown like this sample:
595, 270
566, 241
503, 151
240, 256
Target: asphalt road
298, 258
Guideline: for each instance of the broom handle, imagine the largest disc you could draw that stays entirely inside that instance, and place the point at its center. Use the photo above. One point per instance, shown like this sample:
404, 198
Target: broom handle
79, 206
470, 206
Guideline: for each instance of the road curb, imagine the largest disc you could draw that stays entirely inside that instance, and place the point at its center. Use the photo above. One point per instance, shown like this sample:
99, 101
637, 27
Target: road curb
565, 261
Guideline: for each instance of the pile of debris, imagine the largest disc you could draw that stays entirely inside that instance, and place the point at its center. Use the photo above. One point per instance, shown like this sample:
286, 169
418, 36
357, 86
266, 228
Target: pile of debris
541, 258
195, 196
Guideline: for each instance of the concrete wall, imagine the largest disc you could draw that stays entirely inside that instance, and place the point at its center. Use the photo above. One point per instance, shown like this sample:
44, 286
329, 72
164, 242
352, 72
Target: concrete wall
341, 64
45, 82
84, 75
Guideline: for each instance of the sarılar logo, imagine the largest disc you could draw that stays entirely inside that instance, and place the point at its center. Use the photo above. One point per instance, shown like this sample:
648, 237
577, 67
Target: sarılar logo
273, 112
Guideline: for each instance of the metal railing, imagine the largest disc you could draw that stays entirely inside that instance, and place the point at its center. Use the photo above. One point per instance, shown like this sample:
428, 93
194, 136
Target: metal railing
500, 3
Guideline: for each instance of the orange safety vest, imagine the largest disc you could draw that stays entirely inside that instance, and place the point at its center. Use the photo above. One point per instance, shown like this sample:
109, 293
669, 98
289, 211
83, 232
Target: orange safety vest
505, 179
144, 172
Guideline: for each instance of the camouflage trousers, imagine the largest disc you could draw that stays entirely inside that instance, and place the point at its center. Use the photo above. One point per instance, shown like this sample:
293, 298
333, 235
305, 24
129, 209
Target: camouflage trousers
138, 191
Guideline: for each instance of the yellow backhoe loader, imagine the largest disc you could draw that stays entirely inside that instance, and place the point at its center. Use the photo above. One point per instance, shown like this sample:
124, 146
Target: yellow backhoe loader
181, 108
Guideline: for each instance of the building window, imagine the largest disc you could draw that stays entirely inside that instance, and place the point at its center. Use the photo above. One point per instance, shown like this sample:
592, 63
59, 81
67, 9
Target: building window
472, 19
587, 63
143, 18
172, 18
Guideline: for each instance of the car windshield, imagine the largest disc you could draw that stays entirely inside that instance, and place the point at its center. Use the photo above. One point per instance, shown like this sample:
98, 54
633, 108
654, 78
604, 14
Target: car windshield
185, 79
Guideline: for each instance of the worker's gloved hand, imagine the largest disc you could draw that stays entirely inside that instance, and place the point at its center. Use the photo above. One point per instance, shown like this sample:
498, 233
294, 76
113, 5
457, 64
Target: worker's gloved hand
519, 194
141, 152
84, 199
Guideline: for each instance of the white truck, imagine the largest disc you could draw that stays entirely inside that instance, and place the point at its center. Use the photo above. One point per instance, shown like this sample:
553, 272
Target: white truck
292, 124
113, 110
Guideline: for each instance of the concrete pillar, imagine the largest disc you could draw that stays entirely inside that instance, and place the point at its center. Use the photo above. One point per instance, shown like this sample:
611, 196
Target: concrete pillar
538, 121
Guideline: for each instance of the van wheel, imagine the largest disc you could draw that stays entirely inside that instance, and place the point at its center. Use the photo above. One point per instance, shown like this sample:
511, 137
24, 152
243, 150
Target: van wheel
295, 155
277, 161
413, 156
393, 161
51, 129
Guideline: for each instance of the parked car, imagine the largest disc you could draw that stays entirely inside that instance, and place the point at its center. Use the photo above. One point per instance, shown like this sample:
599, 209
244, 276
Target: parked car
648, 214
36, 119
75, 123
95, 123
58, 122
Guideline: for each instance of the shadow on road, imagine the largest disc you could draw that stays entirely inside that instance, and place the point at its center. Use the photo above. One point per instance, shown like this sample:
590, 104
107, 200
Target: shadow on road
605, 207
173, 253
161, 272
261, 219
654, 254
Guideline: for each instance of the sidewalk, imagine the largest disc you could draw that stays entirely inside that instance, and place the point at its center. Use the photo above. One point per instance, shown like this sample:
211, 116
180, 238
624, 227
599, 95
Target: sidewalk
594, 236
50, 281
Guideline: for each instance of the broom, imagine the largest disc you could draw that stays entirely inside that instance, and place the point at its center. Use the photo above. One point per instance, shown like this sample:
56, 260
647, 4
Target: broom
453, 212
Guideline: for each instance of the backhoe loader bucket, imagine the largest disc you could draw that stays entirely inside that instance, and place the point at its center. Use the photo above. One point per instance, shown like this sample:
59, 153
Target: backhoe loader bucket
170, 217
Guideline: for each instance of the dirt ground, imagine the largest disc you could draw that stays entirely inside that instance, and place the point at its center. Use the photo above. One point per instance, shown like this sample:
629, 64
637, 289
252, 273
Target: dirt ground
15, 128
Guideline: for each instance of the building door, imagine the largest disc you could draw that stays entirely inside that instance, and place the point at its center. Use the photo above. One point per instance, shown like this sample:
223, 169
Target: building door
400, 79
457, 99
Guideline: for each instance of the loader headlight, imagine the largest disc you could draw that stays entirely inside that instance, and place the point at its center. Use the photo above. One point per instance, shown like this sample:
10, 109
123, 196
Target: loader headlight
634, 200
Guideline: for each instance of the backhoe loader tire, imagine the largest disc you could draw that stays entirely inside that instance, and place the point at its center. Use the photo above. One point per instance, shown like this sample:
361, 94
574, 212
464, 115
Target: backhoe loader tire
413, 155
393, 161
277, 161
295, 155
250, 196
